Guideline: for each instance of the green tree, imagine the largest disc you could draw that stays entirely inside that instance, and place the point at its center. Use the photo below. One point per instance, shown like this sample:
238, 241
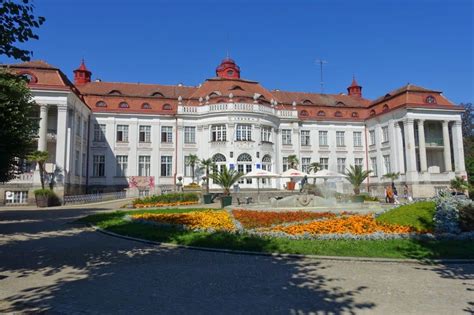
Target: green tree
193, 160
17, 23
207, 164
19, 123
293, 161
468, 139
314, 167
459, 184
356, 176
226, 178
39, 157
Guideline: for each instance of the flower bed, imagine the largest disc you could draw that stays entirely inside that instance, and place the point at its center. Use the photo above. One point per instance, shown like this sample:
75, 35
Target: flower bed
195, 220
255, 219
355, 224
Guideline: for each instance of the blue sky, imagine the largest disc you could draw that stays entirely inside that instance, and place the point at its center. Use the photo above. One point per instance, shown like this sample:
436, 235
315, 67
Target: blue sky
386, 44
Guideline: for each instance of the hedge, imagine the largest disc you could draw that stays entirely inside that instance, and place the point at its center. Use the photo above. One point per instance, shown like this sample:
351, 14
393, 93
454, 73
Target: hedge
168, 198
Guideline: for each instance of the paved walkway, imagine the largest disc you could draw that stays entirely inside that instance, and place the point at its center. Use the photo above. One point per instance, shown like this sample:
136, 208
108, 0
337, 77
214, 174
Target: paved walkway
50, 265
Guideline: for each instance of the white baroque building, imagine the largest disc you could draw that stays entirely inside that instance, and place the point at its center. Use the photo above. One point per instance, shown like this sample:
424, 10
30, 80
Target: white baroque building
100, 135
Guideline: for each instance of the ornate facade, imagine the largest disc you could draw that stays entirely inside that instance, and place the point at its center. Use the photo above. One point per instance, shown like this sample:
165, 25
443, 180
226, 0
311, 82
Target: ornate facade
99, 134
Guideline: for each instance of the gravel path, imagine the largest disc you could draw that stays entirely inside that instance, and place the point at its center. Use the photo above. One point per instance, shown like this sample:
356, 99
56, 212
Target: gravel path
50, 265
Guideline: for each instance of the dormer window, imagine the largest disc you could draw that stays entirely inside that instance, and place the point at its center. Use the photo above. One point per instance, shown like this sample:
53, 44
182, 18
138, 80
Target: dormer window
430, 100
307, 102
304, 113
124, 105
167, 107
338, 114
214, 94
115, 92
372, 113
29, 77
157, 94
385, 108
355, 114
321, 113
340, 104
101, 104
236, 87
146, 106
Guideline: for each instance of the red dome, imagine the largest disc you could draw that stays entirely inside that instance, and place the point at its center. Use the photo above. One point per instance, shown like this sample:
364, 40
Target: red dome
228, 69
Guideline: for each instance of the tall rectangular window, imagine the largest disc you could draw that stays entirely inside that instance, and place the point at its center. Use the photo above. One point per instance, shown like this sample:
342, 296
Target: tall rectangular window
386, 163
357, 138
187, 167
78, 125
166, 134
359, 162
166, 165
122, 165
305, 162
385, 134
373, 166
84, 130
340, 139
305, 138
266, 134
286, 136
341, 165
84, 165
122, 133
218, 133
243, 132
144, 134
372, 137
189, 134
324, 163
98, 165
144, 165
323, 138
99, 132
77, 169
286, 165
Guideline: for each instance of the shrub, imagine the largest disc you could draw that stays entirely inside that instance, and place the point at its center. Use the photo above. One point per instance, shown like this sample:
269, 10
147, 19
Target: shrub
167, 198
44, 192
466, 216
446, 217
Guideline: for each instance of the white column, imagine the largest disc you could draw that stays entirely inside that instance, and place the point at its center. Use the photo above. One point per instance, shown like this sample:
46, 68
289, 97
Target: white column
410, 145
61, 139
422, 146
399, 148
447, 147
458, 148
43, 128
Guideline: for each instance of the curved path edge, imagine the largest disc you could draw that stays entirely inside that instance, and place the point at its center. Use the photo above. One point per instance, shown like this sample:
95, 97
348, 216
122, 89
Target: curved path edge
282, 255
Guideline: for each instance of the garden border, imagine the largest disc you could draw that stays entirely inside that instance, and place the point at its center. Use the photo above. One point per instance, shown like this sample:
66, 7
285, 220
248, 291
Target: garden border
294, 256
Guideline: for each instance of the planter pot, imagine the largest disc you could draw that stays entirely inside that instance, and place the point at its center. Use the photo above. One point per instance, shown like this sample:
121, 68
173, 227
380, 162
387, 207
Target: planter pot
207, 198
290, 185
359, 199
42, 201
226, 201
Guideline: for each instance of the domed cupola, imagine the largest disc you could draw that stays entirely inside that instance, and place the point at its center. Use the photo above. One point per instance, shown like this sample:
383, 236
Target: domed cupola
228, 69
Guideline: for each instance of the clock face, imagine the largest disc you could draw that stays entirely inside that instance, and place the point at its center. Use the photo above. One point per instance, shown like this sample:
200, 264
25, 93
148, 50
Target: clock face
430, 100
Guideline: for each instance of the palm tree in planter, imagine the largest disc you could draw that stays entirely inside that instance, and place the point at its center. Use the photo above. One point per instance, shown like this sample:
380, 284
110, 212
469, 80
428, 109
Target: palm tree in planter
356, 176
193, 160
459, 184
314, 167
226, 178
43, 196
292, 163
207, 164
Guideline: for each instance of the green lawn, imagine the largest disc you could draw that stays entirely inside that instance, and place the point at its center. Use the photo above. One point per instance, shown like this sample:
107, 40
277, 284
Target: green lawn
418, 215
114, 222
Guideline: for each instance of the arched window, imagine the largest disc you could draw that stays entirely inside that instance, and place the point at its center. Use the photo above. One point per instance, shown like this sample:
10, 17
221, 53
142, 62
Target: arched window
355, 114
167, 107
304, 113
385, 108
214, 94
244, 165
266, 166
124, 105
218, 158
430, 99
340, 104
236, 87
115, 92
157, 94
101, 104
338, 114
307, 102
230, 72
321, 113
372, 112
146, 106
31, 78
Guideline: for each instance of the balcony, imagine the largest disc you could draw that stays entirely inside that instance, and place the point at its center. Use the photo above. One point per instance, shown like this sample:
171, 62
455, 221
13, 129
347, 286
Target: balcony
237, 107
23, 178
431, 142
